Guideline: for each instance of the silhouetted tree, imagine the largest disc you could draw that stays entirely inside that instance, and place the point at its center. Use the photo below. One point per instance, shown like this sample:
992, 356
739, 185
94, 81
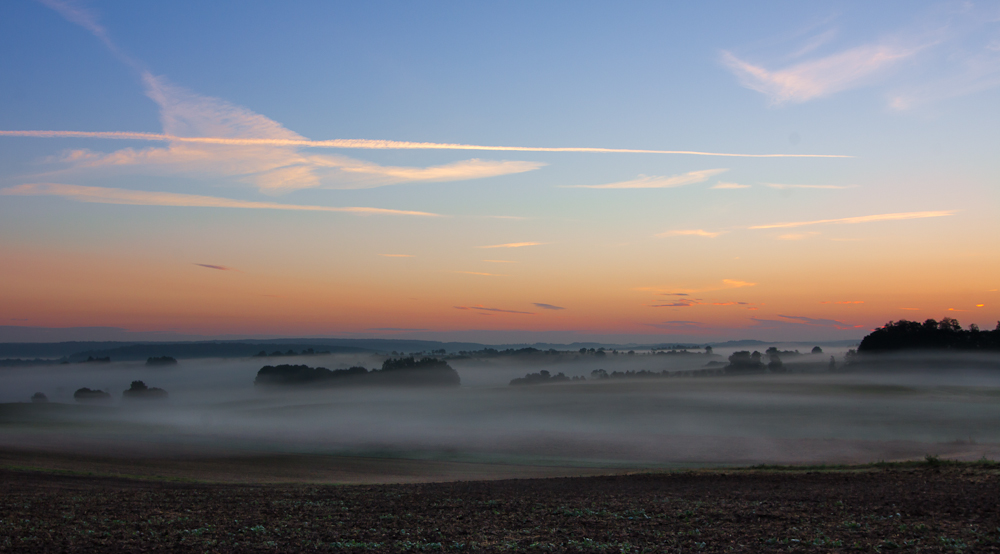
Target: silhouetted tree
817, 350
744, 362
139, 390
931, 334
87, 395
774, 364
39, 398
539, 378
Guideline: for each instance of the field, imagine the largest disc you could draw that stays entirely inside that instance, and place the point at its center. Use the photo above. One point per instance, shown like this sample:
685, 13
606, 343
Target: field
930, 507
626, 465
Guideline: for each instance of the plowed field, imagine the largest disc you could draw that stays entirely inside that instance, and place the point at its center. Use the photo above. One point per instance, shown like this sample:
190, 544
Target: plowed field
931, 509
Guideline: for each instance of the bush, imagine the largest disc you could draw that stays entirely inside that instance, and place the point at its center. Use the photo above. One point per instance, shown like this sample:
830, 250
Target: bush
139, 390
88, 395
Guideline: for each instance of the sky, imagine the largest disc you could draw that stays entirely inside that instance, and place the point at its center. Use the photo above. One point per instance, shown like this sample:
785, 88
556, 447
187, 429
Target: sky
499, 172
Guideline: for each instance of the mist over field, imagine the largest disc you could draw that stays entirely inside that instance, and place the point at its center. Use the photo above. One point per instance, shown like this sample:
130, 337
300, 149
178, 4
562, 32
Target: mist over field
810, 417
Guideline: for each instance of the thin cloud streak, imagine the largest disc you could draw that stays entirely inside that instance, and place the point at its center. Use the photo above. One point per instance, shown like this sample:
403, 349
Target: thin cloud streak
497, 310
861, 219
722, 185
656, 182
366, 144
219, 267
88, 20
547, 306
102, 195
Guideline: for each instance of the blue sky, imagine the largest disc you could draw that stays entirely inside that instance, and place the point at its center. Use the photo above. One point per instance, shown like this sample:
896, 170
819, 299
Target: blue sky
907, 91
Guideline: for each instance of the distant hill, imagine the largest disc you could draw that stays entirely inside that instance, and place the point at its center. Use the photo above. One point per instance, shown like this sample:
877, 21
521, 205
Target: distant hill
33, 353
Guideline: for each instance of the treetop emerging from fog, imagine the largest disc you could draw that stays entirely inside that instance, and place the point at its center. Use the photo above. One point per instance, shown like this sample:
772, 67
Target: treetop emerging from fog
931, 334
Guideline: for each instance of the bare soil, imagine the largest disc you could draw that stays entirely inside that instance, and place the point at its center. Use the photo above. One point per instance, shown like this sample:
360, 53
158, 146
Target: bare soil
925, 507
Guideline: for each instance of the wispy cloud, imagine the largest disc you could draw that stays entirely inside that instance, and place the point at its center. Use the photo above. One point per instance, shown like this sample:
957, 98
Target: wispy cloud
831, 187
101, 195
396, 329
677, 291
820, 322
819, 77
723, 185
75, 13
946, 53
210, 138
374, 144
859, 219
657, 182
547, 306
219, 267
682, 303
513, 245
844, 302
257, 150
690, 233
495, 310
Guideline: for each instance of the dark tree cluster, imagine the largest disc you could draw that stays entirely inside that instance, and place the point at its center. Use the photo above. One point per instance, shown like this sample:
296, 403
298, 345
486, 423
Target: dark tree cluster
394, 372
543, 377
302, 374
743, 362
494, 353
98, 360
646, 374
139, 391
88, 395
161, 361
946, 334
289, 352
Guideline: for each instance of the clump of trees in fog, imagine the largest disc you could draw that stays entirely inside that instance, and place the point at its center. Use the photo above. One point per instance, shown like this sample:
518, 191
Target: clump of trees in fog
88, 395
39, 398
543, 377
946, 334
161, 361
139, 391
394, 372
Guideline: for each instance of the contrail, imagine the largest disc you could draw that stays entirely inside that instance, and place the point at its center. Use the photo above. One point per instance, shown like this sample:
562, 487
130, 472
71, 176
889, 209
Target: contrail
859, 219
365, 144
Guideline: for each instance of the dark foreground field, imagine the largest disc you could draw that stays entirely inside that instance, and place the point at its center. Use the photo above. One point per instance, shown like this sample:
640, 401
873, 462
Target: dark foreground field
925, 507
